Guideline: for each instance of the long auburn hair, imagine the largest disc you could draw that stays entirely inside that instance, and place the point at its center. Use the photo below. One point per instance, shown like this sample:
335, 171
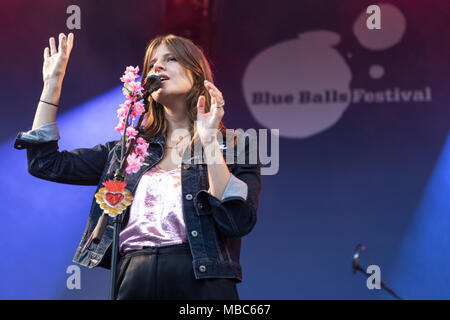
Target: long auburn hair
193, 59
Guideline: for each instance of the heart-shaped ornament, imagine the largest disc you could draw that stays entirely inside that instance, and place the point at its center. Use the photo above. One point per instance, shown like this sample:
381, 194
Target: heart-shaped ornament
113, 198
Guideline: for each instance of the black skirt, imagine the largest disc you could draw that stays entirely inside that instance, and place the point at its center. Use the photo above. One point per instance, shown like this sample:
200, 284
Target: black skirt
166, 273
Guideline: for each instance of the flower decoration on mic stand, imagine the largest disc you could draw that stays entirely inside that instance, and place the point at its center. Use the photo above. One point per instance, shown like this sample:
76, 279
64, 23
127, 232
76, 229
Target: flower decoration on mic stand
114, 198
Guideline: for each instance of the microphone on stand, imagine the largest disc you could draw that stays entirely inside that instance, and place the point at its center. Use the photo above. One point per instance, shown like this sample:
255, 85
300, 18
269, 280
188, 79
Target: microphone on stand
152, 83
355, 261
357, 267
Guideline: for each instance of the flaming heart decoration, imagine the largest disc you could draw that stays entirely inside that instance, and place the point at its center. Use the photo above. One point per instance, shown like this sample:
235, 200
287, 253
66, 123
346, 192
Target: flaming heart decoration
113, 198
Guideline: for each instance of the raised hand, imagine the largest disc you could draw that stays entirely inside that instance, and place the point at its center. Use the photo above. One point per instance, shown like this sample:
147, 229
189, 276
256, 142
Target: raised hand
55, 60
208, 122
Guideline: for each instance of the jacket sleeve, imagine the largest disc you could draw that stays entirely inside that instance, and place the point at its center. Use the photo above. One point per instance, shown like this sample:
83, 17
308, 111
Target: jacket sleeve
235, 215
234, 188
83, 166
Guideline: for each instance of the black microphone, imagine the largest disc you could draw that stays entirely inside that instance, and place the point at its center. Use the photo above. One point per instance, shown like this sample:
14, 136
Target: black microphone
152, 83
355, 264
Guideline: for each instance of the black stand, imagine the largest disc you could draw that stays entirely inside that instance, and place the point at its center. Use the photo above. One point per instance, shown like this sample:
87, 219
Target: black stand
115, 253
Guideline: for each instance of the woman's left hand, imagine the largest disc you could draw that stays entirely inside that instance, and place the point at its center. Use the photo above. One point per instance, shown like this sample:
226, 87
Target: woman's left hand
208, 123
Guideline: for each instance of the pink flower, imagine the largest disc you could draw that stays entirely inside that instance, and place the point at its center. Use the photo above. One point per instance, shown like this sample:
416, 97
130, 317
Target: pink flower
141, 147
126, 104
131, 132
141, 140
128, 77
135, 87
131, 69
126, 93
141, 158
134, 163
120, 126
130, 74
122, 112
138, 108
142, 151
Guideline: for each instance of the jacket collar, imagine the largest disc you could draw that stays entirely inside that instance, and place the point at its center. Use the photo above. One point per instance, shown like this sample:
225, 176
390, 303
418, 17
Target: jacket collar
161, 139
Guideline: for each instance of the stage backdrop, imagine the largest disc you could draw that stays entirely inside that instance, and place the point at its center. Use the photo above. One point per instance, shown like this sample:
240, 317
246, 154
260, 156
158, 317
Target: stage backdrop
360, 117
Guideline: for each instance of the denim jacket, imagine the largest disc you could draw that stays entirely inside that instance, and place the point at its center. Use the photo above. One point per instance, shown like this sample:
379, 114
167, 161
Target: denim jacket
214, 226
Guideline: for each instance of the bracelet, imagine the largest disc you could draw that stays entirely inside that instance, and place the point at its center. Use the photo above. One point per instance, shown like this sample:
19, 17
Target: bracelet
48, 103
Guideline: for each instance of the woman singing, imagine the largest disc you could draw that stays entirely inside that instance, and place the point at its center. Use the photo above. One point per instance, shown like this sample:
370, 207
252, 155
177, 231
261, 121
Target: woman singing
181, 236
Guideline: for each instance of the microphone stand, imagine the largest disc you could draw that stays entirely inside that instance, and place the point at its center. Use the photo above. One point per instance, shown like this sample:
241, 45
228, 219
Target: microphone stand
357, 267
152, 83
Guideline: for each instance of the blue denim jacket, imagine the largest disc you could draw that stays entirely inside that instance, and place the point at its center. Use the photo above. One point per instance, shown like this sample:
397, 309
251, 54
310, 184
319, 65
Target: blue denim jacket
214, 226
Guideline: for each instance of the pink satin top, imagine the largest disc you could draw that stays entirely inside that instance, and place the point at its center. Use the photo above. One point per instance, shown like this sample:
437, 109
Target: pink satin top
156, 215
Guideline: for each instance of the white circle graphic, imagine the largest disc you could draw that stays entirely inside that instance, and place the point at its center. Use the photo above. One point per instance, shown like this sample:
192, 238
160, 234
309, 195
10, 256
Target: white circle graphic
299, 86
376, 71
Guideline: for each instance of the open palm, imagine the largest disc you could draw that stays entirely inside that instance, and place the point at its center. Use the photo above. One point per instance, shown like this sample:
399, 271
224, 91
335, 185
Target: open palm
208, 122
55, 60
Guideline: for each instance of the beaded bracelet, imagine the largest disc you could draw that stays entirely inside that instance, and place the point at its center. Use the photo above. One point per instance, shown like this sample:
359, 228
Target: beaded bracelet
49, 103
